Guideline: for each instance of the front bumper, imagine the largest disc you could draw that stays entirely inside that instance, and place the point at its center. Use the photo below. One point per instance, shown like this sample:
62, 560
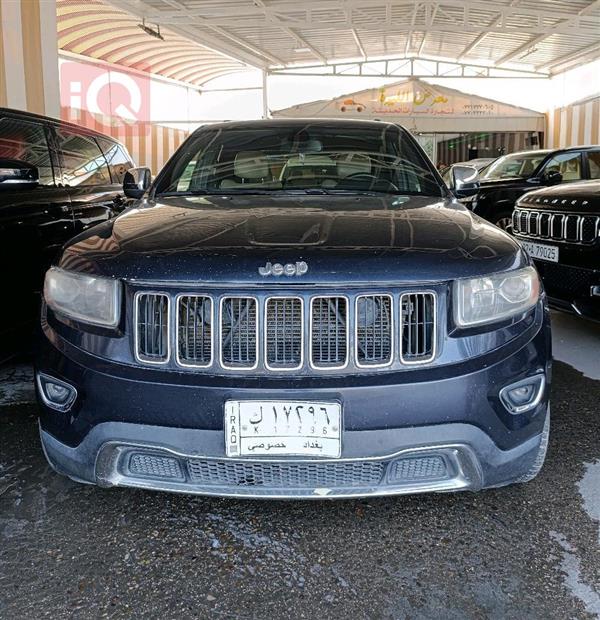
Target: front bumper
449, 457
571, 288
428, 429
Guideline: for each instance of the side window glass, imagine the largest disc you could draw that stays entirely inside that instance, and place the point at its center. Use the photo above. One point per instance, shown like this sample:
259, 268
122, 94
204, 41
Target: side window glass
26, 141
568, 164
119, 160
594, 164
82, 161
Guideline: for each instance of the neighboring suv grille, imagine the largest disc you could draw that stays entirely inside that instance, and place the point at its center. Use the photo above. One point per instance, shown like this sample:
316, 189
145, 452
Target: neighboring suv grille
152, 328
284, 333
568, 227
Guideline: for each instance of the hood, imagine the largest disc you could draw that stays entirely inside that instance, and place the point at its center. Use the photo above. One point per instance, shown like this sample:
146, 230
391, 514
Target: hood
343, 239
511, 182
582, 197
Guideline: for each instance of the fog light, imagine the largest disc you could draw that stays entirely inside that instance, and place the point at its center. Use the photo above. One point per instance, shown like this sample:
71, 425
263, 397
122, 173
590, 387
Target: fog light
55, 393
523, 395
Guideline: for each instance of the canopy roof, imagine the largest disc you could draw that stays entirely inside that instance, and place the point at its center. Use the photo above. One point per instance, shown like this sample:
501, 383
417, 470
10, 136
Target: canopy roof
542, 35
97, 30
423, 107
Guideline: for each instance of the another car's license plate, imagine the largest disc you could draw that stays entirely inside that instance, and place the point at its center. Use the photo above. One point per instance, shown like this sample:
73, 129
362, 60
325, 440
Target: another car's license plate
541, 251
259, 428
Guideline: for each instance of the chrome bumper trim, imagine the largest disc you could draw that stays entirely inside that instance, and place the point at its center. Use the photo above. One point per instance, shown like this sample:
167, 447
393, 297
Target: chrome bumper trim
460, 459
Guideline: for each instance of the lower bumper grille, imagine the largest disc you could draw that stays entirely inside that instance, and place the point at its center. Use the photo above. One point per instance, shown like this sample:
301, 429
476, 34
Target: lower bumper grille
563, 280
285, 475
295, 475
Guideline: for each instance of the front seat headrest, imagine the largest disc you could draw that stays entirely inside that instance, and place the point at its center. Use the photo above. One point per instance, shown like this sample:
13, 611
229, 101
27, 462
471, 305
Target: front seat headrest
251, 165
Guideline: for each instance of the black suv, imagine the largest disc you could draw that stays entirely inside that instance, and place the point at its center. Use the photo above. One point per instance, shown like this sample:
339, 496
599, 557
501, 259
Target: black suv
560, 228
56, 180
295, 308
495, 193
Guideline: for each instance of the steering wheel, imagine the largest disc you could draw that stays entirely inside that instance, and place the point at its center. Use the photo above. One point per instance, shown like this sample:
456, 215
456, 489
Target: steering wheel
370, 178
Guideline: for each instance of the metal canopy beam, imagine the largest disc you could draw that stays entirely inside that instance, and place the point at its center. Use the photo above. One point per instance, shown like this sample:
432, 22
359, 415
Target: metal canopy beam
271, 17
533, 42
412, 26
506, 19
225, 42
408, 67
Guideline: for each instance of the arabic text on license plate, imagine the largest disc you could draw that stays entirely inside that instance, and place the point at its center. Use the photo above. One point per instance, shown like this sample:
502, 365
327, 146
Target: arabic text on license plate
541, 251
259, 428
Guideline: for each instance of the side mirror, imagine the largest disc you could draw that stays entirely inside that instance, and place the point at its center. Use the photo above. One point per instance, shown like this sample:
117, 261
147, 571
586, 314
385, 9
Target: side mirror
17, 174
552, 177
136, 182
464, 180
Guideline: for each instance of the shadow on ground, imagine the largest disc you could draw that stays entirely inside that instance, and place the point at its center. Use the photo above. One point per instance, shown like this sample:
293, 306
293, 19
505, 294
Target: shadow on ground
522, 551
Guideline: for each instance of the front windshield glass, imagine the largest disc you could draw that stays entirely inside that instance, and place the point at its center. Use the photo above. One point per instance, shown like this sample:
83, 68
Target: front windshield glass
299, 158
515, 166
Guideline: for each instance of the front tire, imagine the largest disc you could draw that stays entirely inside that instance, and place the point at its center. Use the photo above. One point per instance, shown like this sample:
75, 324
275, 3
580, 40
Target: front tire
541, 455
504, 221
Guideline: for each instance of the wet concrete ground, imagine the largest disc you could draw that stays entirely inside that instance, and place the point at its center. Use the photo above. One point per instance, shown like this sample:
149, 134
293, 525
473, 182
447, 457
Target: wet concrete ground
526, 551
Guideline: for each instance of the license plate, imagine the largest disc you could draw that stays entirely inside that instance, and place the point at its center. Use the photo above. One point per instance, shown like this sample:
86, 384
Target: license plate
288, 428
541, 251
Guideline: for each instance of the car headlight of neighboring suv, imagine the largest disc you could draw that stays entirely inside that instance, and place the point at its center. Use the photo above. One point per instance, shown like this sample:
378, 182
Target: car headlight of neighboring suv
495, 297
90, 299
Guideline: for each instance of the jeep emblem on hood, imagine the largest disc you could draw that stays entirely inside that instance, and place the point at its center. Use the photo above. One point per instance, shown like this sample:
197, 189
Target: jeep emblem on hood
290, 269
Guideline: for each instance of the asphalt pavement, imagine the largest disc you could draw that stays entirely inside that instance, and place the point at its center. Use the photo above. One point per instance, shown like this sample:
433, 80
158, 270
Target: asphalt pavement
525, 551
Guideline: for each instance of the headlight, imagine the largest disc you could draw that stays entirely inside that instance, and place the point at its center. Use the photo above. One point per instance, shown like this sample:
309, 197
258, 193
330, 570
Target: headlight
495, 297
90, 299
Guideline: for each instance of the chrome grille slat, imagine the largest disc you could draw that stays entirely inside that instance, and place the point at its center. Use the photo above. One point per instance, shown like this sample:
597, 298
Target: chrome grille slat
569, 227
329, 332
152, 328
284, 327
194, 330
417, 332
374, 330
239, 332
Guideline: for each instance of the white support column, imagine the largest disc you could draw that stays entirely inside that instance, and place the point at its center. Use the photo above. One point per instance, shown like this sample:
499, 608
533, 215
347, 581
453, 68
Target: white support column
265, 94
29, 56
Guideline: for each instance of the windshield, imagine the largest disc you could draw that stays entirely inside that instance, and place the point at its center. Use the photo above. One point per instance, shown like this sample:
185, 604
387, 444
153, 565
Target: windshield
515, 166
299, 158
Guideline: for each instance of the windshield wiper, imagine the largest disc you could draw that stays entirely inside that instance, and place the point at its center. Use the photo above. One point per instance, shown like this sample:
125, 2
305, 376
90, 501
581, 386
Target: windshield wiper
216, 192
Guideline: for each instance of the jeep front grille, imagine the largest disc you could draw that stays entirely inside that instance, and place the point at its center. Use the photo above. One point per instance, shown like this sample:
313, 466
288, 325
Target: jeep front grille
569, 227
276, 333
152, 328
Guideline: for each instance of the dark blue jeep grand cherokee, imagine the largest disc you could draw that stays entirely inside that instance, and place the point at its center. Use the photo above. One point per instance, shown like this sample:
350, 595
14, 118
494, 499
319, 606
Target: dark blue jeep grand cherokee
295, 309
